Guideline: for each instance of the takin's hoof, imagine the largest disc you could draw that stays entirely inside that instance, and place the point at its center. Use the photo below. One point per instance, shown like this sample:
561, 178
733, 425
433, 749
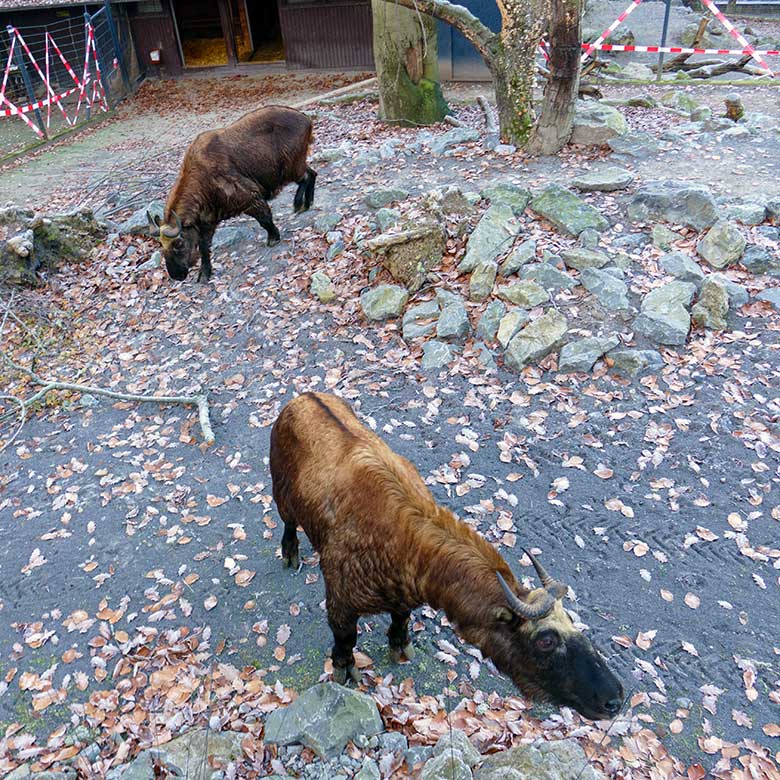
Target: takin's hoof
397, 653
274, 241
290, 561
341, 673
204, 278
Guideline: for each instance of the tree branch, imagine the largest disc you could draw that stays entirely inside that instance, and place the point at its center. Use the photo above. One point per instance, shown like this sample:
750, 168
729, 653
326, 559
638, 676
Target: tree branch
460, 18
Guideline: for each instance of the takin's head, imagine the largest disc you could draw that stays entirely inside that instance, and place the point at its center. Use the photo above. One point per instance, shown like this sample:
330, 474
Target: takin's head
179, 245
537, 645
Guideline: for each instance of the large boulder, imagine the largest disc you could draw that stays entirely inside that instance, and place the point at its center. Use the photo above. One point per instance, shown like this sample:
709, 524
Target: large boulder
633, 362
580, 355
324, 718
664, 317
595, 123
383, 302
536, 340
192, 756
712, 308
31, 242
722, 244
691, 205
517, 198
560, 760
492, 236
570, 214
409, 254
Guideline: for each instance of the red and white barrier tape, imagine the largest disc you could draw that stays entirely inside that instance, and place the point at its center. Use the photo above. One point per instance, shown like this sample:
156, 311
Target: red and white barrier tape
718, 14
591, 47
19, 110
683, 50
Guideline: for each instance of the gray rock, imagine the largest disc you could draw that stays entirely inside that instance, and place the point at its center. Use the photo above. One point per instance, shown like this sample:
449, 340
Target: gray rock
535, 340
664, 318
510, 324
492, 235
526, 293
376, 199
334, 236
747, 213
759, 260
446, 766
773, 209
642, 101
383, 302
410, 253
453, 324
636, 71
322, 287
454, 137
519, 256
722, 244
701, 114
548, 276
561, 760
589, 238
457, 740
510, 195
369, 770
392, 742
155, 261
386, 218
663, 237
327, 221
712, 308
447, 297
335, 249
325, 717
450, 202
436, 354
418, 754
482, 278
188, 756
485, 356
596, 123
232, 235
682, 204
138, 224
570, 214
682, 267
738, 295
635, 144
420, 320
603, 180
631, 362
611, 292
490, 320
584, 258
770, 296
580, 355
679, 101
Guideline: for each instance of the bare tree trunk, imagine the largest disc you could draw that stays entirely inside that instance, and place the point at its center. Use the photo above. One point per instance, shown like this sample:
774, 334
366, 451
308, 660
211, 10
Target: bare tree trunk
556, 121
407, 66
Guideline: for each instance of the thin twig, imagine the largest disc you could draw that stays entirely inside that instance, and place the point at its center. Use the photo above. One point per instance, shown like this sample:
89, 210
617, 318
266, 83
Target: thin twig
22, 419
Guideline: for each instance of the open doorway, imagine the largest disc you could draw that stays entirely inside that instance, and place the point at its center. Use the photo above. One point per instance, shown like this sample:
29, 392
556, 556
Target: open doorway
265, 29
200, 33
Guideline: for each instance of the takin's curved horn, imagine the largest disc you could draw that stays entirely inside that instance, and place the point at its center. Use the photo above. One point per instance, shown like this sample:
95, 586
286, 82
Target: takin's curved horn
171, 232
551, 585
523, 609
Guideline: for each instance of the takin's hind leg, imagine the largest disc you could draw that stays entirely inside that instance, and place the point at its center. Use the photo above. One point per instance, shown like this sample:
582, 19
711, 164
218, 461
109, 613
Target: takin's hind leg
304, 195
261, 211
398, 637
290, 559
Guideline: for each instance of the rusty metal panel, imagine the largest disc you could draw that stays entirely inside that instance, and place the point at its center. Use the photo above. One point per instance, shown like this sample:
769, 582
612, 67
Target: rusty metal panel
156, 31
327, 34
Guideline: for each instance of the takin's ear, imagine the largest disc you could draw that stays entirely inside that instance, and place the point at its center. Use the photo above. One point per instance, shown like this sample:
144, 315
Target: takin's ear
504, 615
154, 220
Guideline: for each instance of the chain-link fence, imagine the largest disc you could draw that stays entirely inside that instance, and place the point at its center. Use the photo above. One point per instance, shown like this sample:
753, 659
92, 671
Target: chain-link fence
58, 75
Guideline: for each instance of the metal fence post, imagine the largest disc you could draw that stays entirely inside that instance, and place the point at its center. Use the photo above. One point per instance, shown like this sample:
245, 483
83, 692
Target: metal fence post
117, 49
664, 33
19, 57
88, 102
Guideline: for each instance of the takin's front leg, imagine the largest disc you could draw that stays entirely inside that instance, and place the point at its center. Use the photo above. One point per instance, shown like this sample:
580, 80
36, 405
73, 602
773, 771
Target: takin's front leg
261, 211
344, 628
398, 637
204, 244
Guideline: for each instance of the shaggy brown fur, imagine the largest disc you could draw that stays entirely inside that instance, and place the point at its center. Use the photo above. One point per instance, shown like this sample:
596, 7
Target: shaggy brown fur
236, 170
386, 546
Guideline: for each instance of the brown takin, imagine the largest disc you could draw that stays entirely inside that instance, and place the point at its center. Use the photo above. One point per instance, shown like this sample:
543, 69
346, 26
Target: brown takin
231, 171
386, 546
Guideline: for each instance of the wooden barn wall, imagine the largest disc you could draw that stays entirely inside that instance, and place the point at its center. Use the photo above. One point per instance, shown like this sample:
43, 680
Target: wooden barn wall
327, 35
156, 31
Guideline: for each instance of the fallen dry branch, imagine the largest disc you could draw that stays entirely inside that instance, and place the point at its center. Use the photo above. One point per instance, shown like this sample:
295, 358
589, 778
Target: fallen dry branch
490, 117
719, 69
679, 62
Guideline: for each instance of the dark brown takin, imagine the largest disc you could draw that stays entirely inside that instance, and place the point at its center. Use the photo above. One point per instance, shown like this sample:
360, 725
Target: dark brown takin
386, 546
231, 171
